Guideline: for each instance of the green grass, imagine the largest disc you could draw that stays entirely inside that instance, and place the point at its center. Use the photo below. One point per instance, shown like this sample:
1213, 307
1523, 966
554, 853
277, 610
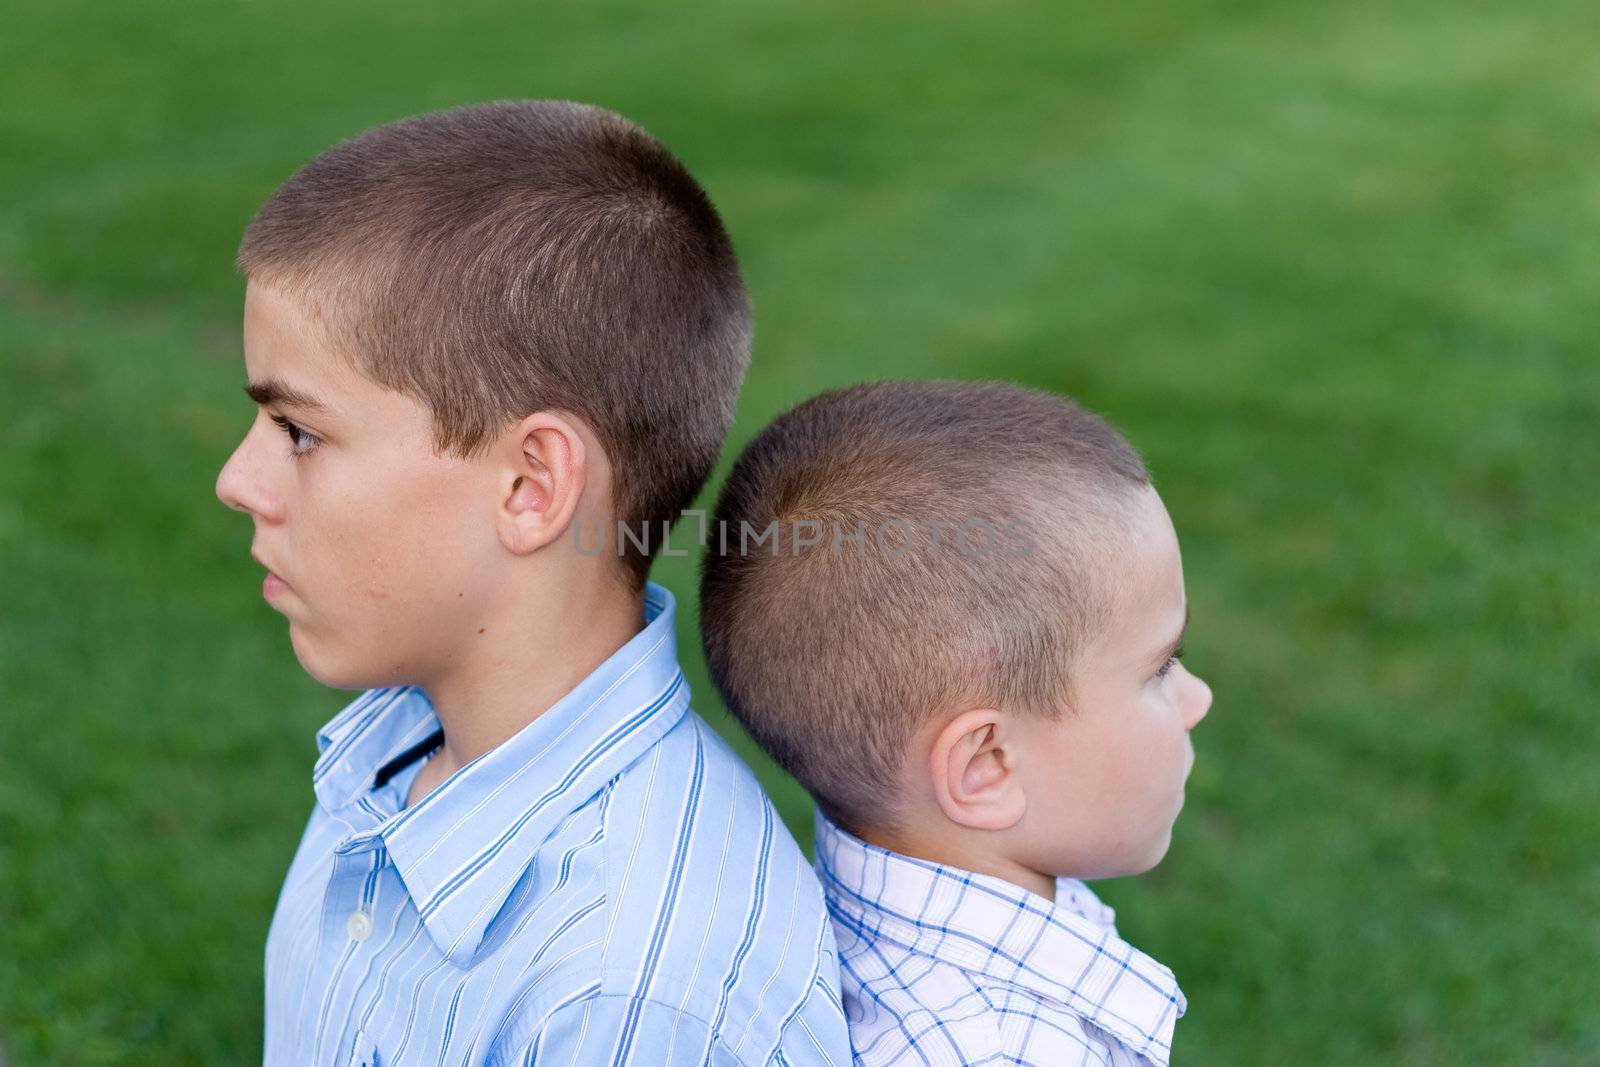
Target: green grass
1331, 267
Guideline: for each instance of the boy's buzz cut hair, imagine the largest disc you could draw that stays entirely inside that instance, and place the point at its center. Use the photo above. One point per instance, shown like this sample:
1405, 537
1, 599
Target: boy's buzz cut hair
833, 650
515, 256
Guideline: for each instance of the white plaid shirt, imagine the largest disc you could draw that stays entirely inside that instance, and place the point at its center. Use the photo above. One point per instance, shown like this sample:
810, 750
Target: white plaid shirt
940, 966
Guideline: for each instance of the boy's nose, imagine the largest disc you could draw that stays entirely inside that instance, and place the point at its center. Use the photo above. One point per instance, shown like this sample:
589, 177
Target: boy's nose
240, 485
1199, 703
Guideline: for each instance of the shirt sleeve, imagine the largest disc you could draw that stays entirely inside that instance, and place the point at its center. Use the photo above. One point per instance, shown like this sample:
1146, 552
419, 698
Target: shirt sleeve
625, 1031
817, 1035
621, 1031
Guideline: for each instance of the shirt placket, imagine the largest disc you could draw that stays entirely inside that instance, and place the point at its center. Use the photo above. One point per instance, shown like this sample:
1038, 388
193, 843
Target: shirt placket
349, 917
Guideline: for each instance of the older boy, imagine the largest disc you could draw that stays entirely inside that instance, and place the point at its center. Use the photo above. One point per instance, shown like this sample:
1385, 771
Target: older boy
960, 631
473, 336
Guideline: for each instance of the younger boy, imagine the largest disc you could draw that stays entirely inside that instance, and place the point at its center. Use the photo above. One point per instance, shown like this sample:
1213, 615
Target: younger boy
953, 610
486, 342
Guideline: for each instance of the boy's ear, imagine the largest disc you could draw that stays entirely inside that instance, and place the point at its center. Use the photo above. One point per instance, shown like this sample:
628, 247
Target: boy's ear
544, 481
975, 777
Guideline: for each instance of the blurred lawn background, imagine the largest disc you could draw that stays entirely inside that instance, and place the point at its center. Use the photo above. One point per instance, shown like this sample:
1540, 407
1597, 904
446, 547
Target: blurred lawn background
1332, 268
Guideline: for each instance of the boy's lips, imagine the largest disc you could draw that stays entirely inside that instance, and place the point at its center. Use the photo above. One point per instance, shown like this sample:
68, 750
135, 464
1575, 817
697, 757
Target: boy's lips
271, 585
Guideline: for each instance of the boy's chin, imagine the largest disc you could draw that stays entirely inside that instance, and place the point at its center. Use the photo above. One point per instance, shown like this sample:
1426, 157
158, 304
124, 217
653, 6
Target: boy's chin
1115, 863
1157, 854
332, 670
1127, 866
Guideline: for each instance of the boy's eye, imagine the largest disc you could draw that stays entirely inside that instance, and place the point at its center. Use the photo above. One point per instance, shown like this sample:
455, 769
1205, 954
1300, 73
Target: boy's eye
1171, 663
300, 442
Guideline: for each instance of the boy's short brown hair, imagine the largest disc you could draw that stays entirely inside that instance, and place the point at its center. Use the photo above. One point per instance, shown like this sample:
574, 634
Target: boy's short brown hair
965, 534
515, 256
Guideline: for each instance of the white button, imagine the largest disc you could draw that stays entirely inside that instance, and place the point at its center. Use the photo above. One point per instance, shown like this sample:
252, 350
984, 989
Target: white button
358, 926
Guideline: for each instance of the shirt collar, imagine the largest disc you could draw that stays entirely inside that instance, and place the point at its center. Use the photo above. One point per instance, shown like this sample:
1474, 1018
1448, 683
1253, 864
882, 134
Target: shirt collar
1067, 952
461, 849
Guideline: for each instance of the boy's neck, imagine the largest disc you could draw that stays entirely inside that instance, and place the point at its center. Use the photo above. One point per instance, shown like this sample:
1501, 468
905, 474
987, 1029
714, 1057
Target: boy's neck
506, 679
965, 857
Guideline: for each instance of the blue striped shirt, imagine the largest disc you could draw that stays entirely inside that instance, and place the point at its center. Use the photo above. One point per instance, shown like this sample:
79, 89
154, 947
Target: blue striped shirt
944, 968
608, 886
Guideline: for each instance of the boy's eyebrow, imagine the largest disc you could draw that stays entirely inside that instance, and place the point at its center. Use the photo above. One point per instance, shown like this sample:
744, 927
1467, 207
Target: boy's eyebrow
272, 391
1173, 645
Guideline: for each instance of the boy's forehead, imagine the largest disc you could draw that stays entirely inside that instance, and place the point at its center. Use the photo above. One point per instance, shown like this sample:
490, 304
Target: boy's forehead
272, 315
289, 364
288, 361
1148, 602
